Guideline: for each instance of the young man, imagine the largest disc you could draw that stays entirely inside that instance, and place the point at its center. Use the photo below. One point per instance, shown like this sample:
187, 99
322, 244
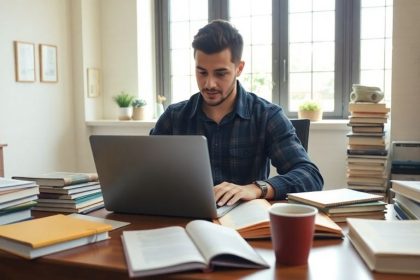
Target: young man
244, 132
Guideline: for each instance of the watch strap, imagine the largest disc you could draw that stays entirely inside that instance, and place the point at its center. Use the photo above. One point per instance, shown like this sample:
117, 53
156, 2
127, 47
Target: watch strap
262, 185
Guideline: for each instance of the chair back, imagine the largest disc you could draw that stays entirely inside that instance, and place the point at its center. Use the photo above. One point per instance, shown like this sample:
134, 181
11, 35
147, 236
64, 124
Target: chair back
302, 130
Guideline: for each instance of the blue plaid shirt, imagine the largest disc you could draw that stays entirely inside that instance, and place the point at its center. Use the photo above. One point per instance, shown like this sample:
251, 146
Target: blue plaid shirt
245, 141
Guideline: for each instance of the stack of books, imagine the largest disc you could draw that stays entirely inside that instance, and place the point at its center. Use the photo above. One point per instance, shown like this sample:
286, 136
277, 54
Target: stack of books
17, 197
67, 192
407, 199
340, 204
367, 151
39, 237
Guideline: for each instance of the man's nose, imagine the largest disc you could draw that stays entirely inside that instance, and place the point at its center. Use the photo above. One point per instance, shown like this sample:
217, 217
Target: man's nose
210, 82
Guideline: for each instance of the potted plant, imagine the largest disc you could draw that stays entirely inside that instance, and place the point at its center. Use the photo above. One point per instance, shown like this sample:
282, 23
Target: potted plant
123, 100
138, 109
311, 110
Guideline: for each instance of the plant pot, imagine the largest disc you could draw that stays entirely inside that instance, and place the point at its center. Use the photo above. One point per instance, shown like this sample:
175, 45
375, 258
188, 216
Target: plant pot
311, 115
124, 113
138, 113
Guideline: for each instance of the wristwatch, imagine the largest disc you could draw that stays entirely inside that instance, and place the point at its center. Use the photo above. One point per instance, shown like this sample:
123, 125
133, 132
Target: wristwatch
262, 185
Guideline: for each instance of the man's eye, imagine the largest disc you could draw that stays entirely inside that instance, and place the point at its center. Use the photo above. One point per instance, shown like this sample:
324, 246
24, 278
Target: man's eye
221, 74
201, 73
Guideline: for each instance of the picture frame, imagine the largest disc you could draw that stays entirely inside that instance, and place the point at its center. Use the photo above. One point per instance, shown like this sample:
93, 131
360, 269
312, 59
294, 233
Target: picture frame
24, 61
48, 63
93, 82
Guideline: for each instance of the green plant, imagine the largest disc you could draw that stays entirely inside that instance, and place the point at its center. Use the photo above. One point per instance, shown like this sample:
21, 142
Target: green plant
310, 106
137, 103
123, 99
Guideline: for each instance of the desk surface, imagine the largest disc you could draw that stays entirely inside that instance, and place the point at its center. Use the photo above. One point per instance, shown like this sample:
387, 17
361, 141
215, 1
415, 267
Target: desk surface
329, 259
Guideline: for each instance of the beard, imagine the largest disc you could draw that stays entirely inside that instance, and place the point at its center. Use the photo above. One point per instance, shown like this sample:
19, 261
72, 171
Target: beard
212, 91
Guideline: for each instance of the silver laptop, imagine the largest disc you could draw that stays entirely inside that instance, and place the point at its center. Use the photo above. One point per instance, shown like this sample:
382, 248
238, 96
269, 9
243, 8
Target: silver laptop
156, 175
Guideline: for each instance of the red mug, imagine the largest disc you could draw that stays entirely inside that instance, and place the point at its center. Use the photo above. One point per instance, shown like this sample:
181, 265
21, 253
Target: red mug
292, 232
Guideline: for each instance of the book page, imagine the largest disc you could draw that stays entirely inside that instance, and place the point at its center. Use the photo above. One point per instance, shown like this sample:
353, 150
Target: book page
223, 246
248, 214
159, 249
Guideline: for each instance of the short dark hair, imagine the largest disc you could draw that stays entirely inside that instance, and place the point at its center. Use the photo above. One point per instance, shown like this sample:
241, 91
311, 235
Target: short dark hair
216, 37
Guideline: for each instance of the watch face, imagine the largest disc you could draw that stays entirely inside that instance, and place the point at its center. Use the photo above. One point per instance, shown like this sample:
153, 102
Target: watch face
261, 183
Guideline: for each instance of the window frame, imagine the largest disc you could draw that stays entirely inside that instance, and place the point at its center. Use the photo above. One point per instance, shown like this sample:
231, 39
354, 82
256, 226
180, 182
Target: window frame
347, 51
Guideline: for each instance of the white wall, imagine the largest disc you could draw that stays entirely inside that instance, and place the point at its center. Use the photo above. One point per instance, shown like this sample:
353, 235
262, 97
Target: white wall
36, 119
405, 115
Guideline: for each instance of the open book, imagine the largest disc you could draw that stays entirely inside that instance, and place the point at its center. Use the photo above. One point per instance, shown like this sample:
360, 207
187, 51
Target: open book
251, 219
201, 245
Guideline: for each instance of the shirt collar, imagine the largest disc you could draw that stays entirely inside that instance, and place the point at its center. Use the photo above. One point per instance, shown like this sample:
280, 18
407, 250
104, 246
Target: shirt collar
242, 107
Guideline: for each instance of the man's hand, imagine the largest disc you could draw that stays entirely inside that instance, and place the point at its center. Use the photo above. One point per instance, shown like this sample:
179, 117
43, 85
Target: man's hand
229, 193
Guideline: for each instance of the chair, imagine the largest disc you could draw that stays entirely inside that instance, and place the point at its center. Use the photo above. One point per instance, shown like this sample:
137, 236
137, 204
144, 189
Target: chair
302, 130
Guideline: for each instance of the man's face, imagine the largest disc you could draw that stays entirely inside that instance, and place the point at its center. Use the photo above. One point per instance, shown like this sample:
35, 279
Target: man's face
216, 76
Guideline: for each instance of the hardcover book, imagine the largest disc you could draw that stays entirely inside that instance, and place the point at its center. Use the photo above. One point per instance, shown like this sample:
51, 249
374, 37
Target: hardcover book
60, 178
331, 198
39, 237
409, 189
368, 107
397, 251
201, 245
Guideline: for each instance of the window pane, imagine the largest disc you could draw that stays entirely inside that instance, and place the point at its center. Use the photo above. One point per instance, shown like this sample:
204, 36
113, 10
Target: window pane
239, 8
373, 21
300, 88
316, 57
253, 20
296, 6
323, 56
300, 57
372, 78
323, 5
322, 28
180, 88
323, 89
372, 54
376, 44
372, 3
186, 17
258, 24
177, 14
300, 27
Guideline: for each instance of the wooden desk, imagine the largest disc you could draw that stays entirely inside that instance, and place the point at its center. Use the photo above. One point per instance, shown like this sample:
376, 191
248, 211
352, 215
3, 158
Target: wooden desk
1, 160
329, 259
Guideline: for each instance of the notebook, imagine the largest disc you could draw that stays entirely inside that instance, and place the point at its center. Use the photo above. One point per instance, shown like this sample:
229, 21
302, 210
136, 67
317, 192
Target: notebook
332, 198
156, 175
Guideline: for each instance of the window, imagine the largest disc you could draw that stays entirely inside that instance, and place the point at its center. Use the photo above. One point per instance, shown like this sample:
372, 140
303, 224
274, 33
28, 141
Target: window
293, 50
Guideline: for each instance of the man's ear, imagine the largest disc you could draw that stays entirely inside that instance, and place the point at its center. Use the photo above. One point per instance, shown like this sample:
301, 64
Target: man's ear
239, 68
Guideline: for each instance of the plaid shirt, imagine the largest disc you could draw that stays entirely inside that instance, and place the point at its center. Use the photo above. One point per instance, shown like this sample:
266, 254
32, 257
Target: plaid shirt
243, 143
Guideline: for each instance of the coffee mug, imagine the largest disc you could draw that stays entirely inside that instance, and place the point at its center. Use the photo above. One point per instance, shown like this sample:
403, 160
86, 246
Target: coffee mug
292, 231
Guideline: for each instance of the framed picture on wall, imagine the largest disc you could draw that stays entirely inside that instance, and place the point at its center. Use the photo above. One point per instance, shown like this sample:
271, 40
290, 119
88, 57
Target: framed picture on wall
24, 61
48, 63
93, 80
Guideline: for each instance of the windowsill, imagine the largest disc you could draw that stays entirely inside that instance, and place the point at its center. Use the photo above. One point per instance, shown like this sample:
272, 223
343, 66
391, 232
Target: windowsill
321, 125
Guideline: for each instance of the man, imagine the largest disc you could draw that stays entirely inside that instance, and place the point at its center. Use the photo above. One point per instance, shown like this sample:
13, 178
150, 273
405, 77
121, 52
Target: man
244, 132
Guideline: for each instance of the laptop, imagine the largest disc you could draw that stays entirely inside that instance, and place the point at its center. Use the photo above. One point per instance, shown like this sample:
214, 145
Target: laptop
156, 175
